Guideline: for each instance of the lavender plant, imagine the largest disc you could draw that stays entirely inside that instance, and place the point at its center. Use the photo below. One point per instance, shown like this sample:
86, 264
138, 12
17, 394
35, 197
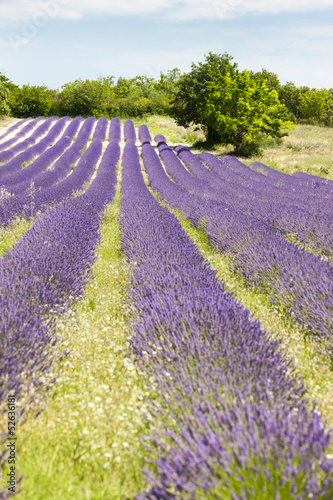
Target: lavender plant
115, 130
129, 131
100, 130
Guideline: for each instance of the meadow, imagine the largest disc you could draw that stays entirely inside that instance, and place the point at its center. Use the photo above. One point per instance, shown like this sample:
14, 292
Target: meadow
163, 362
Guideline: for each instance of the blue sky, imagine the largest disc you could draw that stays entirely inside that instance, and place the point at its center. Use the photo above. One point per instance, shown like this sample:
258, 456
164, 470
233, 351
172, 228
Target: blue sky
52, 42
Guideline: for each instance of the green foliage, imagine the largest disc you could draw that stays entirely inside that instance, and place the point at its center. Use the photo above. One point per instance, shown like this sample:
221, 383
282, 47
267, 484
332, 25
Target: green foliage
270, 79
188, 102
31, 101
232, 107
6, 82
307, 104
329, 112
133, 97
242, 109
4, 93
86, 97
168, 82
314, 104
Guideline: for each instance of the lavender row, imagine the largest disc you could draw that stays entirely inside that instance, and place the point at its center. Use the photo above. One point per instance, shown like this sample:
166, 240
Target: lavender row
43, 276
301, 176
24, 131
129, 131
281, 187
38, 148
115, 130
266, 188
12, 129
37, 255
20, 205
28, 204
8, 154
230, 411
42, 162
144, 134
298, 281
55, 155
267, 175
100, 130
313, 230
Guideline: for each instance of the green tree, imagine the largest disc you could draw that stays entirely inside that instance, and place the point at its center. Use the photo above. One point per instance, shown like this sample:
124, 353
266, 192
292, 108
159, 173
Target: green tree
242, 110
168, 82
291, 96
7, 83
329, 112
4, 94
188, 104
314, 104
271, 79
87, 97
31, 101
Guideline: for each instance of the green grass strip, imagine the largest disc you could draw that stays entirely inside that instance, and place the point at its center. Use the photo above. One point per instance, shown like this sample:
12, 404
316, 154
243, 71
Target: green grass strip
11, 234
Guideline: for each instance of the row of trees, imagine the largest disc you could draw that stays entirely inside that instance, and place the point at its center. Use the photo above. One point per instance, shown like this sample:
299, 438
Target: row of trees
133, 97
231, 106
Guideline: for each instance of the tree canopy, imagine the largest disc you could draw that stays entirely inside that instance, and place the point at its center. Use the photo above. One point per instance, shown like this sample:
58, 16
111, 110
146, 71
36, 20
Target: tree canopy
4, 94
232, 107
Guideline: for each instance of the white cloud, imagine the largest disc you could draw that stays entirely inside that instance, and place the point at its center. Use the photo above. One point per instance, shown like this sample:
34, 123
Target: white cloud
18, 11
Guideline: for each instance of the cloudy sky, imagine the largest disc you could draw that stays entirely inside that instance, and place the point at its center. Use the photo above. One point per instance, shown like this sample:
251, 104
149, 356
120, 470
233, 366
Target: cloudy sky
51, 42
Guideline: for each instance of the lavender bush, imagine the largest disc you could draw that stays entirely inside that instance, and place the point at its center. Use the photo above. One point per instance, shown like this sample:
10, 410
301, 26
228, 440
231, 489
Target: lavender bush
100, 130
115, 130
129, 131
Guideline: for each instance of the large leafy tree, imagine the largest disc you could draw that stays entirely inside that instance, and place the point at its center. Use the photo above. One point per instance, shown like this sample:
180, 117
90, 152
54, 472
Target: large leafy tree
271, 79
242, 109
188, 105
232, 107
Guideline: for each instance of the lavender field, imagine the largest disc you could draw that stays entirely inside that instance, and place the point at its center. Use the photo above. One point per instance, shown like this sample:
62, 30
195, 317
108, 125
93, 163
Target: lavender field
166, 319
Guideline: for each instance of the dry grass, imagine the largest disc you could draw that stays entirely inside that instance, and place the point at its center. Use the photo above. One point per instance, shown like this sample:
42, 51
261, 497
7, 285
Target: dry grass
307, 148
167, 126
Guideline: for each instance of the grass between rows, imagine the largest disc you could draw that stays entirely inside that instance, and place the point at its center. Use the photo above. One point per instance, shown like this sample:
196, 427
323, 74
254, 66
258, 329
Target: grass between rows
11, 234
85, 444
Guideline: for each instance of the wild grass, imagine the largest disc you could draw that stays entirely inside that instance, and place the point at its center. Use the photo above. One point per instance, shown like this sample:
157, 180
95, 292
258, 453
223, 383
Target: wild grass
167, 126
308, 148
10, 235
